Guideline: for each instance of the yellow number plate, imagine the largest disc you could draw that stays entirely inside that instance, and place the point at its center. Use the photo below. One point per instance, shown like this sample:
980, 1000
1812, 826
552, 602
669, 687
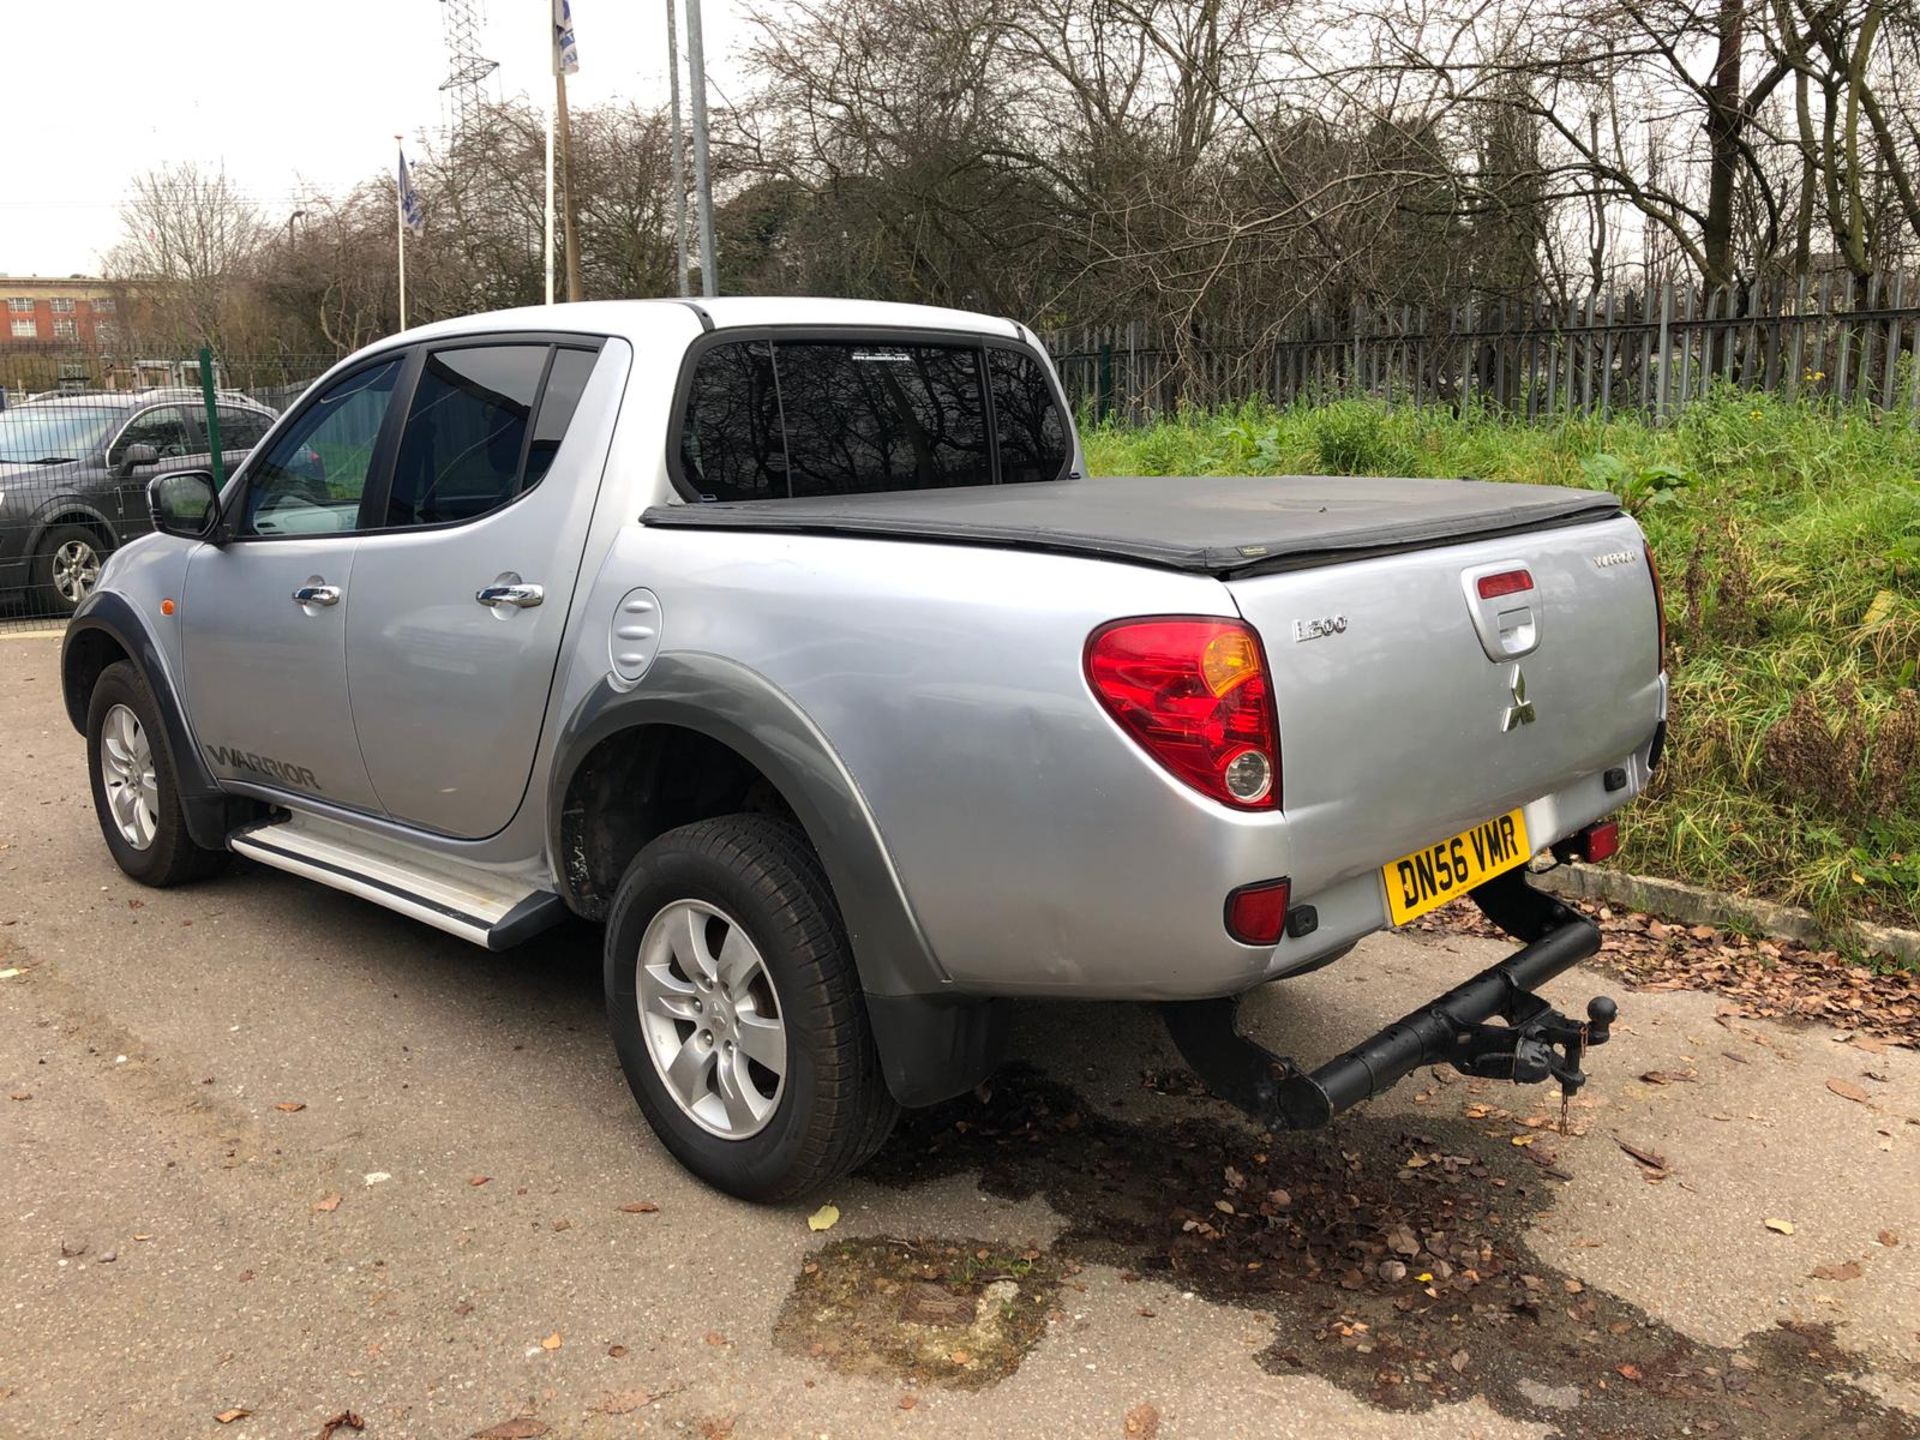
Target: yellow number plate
1429, 878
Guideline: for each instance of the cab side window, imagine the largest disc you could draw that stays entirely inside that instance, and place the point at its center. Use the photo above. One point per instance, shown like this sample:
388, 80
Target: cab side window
311, 480
164, 427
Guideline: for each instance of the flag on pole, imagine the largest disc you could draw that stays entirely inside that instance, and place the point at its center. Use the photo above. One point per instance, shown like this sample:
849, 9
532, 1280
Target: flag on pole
412, 213
566, 58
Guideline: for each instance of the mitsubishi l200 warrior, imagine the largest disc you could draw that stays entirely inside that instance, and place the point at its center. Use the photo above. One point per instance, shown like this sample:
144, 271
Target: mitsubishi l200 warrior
789, 640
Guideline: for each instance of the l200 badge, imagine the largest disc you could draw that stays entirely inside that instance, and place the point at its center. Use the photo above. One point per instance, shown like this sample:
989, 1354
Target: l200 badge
1319, 629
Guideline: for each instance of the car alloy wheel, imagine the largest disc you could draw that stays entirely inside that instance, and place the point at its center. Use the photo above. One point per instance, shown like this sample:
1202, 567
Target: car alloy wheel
127, 775
711, 1018
76, 570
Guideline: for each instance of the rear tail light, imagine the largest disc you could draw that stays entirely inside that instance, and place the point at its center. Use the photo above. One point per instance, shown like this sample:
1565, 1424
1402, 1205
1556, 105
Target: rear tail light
1595, 843
1193, 692
1257, 914
1659, 605
1507, 582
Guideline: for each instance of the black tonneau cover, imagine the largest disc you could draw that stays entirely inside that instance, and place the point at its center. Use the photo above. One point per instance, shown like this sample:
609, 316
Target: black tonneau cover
1212, 524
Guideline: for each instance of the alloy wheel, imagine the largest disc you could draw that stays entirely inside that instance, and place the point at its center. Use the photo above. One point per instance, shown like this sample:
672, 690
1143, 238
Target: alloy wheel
712, 1018
76, 569
127, 776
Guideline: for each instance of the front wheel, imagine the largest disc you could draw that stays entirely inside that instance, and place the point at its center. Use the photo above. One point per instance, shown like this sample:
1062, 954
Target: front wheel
736, 1010
136, 791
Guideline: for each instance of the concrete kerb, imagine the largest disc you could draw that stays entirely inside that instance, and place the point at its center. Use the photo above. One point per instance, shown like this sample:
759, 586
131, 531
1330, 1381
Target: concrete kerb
1691, 905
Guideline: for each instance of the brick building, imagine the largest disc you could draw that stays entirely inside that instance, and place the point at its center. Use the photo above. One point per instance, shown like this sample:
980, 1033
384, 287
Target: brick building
46, 312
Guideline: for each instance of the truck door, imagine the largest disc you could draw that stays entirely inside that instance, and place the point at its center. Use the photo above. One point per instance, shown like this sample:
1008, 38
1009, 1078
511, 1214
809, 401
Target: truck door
461, 594
263, 617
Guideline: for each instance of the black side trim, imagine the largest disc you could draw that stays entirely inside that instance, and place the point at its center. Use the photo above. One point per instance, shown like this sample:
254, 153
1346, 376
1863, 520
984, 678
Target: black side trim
706, 320
539, 911
934, 1049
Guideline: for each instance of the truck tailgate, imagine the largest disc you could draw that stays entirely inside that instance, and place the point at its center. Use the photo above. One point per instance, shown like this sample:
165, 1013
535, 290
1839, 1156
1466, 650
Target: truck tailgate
1411, 707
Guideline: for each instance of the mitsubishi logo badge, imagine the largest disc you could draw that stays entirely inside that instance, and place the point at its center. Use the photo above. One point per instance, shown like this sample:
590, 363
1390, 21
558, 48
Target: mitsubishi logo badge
1520, 712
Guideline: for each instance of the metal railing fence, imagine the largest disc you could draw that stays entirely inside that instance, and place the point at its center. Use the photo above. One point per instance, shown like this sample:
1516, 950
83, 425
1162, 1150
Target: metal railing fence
1649, 352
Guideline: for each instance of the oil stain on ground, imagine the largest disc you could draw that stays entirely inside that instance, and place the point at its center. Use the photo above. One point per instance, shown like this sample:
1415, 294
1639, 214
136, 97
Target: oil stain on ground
960, 1314
1390, 1255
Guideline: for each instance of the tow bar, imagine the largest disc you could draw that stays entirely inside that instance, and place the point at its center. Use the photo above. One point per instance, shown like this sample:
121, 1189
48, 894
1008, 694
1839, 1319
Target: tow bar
1535, 1043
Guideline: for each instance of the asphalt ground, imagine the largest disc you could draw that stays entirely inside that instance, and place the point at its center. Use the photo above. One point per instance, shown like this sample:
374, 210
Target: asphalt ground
267, 1148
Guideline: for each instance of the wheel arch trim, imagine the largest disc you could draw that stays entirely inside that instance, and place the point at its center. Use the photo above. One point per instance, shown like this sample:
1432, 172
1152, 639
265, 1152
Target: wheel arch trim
209, 810
735, 706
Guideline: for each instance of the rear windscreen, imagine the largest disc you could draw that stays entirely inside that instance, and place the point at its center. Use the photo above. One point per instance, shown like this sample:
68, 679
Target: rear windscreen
775, 419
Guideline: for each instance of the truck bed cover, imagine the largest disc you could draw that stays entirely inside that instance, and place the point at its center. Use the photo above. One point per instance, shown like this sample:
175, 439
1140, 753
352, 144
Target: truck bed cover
1217, 525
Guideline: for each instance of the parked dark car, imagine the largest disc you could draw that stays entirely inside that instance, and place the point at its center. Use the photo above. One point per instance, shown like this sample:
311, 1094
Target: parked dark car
73, 479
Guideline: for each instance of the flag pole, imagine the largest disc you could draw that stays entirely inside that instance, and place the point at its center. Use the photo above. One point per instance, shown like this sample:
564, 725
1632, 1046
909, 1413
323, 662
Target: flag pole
703, 191
566, 187
550, 107
400, 230
679, 154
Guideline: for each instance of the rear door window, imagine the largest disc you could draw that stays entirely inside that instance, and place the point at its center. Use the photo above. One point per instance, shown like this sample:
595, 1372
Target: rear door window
242, 429
774, 419
466, 434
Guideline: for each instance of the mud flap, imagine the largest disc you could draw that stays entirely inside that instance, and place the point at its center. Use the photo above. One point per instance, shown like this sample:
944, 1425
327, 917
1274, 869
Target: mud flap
1533, 1043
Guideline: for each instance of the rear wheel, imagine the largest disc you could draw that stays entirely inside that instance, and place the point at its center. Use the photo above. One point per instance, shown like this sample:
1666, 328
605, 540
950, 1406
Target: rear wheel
737, 1012
66, 567
136, 791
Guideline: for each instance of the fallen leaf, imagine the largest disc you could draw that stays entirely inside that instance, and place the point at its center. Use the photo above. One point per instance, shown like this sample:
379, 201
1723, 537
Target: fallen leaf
624, 1402
1889, 1238
1143, 1422
227, 1417
521, 1427
21, 1095
1652, 1159
1780, 1227
563, 1224
1459, 1360
1630, 1372
825, 1218
345, 1420
1847, 1090
618, 1352
328, 1205
714, 1337
291, 1107
1845, 1270
641, 1207
907, 1402
552, 1342
478, 1180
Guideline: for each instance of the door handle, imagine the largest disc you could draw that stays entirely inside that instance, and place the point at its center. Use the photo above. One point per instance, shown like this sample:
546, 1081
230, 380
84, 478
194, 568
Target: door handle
521, 597
317, 595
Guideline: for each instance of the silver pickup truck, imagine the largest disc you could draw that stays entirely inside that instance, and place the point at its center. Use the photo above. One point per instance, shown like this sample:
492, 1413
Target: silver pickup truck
788, 639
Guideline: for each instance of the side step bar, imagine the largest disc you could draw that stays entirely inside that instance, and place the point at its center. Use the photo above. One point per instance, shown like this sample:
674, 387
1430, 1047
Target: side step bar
1536, 1043
480, 907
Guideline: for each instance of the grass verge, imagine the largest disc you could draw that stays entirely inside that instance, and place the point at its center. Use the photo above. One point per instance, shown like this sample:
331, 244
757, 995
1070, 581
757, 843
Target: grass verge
1788, 536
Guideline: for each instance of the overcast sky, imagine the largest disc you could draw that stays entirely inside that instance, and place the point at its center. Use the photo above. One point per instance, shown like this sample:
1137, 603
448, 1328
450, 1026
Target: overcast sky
290, 95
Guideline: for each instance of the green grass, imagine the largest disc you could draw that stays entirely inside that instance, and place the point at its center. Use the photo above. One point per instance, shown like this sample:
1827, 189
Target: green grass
1788, 537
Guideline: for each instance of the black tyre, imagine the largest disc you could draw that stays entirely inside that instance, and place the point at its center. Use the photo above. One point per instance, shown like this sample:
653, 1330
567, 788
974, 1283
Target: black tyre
66, 567
136, 791
737, 1012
